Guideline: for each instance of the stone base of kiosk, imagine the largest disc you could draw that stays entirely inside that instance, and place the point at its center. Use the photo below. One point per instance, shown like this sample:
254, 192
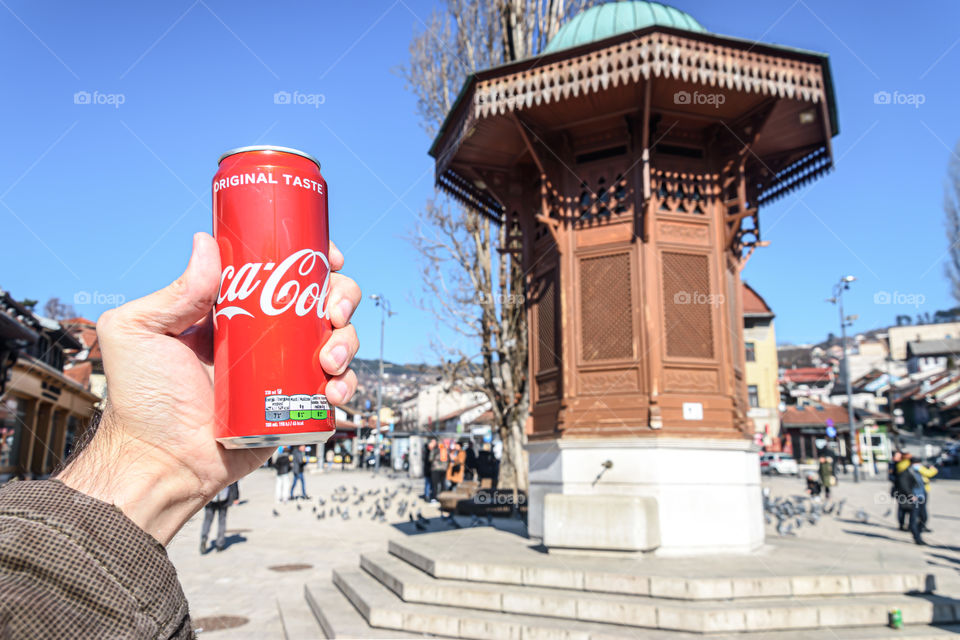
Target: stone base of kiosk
675, 496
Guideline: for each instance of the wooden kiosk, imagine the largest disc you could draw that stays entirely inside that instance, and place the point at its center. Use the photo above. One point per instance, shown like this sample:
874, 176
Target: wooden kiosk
633, 156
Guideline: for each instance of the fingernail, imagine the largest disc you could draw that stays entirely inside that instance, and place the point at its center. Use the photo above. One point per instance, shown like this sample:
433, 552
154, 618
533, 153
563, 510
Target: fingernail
346, 308
339, 355
341, 388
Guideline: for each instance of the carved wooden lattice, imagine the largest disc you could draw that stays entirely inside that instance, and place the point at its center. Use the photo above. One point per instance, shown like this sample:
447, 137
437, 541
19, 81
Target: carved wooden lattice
547, 348
603, 198
687, 305
683, 192
606, 308
651, 55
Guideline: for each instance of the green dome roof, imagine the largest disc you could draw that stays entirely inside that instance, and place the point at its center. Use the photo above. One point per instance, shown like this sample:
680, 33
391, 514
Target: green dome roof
614, 18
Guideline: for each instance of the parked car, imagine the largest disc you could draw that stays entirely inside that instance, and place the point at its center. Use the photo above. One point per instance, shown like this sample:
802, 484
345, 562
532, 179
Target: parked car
779, 464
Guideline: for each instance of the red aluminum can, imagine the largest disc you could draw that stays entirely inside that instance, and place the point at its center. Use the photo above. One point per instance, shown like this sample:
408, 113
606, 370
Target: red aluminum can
270, 319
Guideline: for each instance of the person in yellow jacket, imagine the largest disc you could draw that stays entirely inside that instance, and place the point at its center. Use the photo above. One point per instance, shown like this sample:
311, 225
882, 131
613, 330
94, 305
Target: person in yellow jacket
926, 473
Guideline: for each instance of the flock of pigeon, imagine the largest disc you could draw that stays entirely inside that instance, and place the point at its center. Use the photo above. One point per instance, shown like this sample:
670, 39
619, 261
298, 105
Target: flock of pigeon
375, 503
796, 511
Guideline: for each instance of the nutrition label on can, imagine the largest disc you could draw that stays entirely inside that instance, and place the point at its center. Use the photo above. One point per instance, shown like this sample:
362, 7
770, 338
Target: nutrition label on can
279, 408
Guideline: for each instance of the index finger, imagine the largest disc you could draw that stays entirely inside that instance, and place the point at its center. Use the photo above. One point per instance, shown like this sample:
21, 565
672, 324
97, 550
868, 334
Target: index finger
335, 257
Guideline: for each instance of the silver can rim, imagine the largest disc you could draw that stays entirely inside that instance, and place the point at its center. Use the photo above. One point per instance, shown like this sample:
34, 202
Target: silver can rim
270, 147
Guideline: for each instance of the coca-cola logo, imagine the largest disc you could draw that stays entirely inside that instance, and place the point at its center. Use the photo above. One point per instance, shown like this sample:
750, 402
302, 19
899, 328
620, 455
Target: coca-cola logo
282, 290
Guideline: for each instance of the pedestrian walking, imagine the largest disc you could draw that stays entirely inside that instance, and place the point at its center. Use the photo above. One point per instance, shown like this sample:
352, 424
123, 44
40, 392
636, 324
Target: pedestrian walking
471, 461
456, 465
283, 464
218, 507
299, 462
926, 472
427, 469
814, 486
897, 493
913, 484
826, 475
907, 463
438, 470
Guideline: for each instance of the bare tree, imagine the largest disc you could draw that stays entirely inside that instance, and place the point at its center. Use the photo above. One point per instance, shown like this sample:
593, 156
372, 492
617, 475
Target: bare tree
475, 282
58, 310
951, 206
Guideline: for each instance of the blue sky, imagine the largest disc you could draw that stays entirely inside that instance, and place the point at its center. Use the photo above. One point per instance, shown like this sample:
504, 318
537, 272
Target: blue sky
103, 198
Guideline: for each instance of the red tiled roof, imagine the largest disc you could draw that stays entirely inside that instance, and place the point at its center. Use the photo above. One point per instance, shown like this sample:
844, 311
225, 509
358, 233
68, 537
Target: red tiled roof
79, 322
808, 374
753, 304
810, 415
80, 374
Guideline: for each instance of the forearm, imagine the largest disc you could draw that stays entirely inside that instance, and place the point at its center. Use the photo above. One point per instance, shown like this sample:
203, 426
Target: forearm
73, 566
149, 487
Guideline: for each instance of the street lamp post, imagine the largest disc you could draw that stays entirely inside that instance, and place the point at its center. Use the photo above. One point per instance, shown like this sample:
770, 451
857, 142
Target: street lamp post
385, 311
845, 322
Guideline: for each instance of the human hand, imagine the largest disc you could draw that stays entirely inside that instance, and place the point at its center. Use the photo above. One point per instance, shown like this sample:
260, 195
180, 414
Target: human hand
154, 454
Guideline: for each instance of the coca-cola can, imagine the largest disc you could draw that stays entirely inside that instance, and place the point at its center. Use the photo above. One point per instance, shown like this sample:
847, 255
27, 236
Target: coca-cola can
270, 318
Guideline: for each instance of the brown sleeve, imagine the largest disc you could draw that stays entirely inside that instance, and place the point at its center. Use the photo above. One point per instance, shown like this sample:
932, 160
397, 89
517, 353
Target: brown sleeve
72, 566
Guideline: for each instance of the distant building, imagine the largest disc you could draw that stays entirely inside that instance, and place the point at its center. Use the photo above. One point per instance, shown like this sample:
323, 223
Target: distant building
463, 420
806, 432
760, 345
930, 401
42, 411
932, 355
424, 409
85, 365
900, 336
806, 383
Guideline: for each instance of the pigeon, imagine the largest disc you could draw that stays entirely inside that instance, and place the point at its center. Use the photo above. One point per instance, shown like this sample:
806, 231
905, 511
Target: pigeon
887, 514
314, 509
862, 516
298, 506
840, 506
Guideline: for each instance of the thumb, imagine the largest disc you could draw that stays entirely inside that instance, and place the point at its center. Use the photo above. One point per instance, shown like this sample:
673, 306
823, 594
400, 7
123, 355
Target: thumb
175, 308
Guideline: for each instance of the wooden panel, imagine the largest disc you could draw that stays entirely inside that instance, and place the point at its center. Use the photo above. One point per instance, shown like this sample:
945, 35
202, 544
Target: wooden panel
608, 381
693, 380
696, 234
606, 308
687, 305
608, 234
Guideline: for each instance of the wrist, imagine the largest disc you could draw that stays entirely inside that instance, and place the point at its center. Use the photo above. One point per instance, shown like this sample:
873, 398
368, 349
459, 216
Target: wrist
156, 493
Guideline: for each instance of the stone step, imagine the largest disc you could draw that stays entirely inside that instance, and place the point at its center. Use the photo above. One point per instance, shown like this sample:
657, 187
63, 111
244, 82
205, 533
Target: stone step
414, 585
383, 609
338, 618
297, 620
612, 576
